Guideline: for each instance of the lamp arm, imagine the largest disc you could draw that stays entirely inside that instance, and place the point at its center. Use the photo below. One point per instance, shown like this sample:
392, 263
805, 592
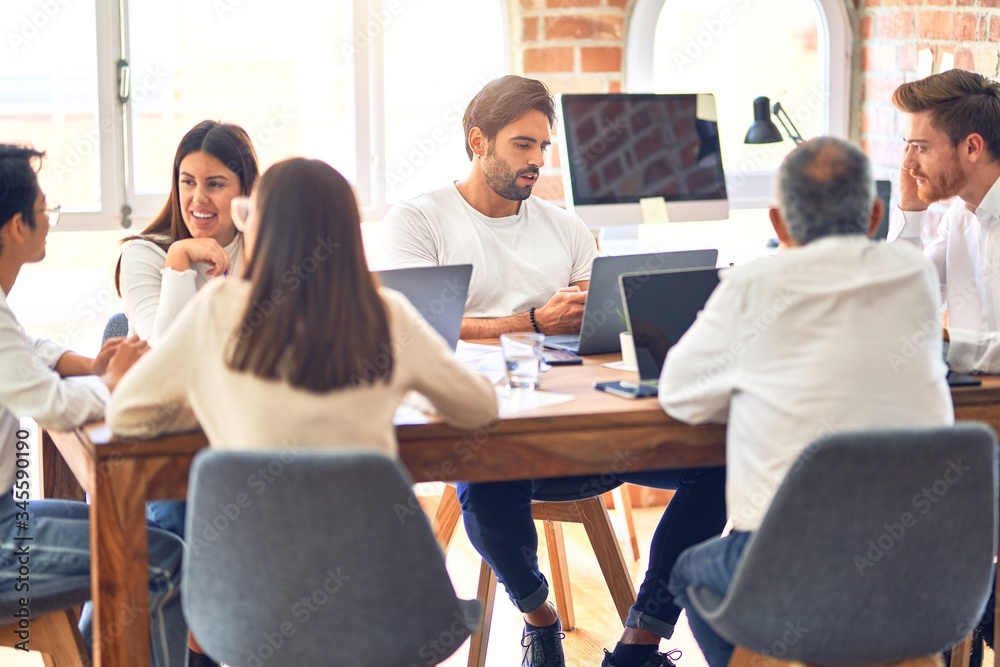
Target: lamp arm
786, 122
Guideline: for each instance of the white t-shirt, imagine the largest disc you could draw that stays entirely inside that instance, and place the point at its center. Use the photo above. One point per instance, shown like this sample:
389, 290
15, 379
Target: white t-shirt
518, 261
840, 334
155, 295
29, 387
966, 252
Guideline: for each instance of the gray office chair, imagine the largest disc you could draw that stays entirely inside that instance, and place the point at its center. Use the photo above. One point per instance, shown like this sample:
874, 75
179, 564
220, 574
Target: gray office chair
117, 327
878, 544
315, 558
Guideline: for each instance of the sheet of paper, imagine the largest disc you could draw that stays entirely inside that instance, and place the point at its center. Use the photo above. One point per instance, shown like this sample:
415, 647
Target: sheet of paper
514, 401
483, 359
925, 63
947, 62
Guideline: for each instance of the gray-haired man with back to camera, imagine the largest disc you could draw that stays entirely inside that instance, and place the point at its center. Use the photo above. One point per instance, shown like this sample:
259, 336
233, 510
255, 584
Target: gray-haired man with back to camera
828, 336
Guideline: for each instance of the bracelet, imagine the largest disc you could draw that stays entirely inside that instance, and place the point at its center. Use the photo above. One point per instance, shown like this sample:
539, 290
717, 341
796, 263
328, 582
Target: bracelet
531, 316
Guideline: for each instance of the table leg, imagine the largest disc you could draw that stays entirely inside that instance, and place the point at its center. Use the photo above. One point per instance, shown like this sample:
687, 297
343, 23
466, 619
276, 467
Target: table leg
119, 558
57, 480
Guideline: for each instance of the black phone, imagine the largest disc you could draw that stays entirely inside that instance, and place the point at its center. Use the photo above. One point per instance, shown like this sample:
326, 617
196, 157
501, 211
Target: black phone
561, 358
626, 389
956, 379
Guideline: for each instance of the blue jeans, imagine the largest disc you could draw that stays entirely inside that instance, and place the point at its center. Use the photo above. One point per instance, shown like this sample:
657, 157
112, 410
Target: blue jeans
168, 515
711, 565
60, 562
498, 521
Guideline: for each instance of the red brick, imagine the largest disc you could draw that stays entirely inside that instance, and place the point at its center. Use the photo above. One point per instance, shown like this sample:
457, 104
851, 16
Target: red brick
965, 60
994, 35
601, 59
549, 186
618, 4
529, 29
597, 26
556, 4
965, 27
552, 159
906, 58
872, 3
878, 119
880, 87
898, 3
614, 86
865, 28
897, 25
559, 59
878, 58
867, 59
533, 4
945, 3
989, 3
944, 25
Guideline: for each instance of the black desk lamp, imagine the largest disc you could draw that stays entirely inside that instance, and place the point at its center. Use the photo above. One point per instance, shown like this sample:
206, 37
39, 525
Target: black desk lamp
763, 130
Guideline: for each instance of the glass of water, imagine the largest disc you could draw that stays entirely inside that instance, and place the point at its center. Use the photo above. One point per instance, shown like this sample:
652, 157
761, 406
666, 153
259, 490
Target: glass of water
522, 355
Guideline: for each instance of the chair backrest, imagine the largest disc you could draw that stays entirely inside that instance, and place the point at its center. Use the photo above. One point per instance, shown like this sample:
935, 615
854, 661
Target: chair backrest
315, 558
117, 327
877, 547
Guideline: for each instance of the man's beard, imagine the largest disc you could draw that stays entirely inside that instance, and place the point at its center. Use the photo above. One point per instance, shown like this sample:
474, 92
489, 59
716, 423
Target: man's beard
950, 182
503, 180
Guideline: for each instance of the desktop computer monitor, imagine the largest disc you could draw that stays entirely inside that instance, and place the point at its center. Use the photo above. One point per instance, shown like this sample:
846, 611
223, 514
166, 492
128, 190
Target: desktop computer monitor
618, 149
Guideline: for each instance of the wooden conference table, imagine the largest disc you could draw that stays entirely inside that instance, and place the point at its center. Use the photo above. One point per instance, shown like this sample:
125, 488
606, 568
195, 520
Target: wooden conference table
594, 433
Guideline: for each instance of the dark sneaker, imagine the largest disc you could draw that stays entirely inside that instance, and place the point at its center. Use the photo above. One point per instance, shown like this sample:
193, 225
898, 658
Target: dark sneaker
657, 659
543, 648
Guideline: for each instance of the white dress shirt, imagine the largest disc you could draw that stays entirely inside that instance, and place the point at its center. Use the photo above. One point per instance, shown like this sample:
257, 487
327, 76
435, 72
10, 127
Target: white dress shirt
155, 295
966, 252
840, 334
29, 387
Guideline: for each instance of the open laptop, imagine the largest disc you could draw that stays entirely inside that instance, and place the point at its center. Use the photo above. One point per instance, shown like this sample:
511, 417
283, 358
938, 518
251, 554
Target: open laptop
661, 306
603, 315
438, 292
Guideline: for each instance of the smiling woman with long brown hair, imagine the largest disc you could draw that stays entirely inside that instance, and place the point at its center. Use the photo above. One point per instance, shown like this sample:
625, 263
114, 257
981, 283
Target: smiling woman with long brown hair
308, 350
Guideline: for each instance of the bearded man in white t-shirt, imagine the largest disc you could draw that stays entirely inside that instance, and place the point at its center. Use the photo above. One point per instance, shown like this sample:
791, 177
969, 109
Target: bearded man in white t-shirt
531, 270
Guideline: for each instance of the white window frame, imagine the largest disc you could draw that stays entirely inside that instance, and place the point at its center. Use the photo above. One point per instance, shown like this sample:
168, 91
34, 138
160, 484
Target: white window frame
117, 185
835, 39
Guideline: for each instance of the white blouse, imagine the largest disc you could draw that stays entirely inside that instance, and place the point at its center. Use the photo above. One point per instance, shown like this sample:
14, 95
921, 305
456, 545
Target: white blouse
155, 295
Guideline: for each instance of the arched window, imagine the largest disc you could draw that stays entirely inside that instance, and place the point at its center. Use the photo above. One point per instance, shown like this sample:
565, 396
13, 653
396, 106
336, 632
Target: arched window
796, 53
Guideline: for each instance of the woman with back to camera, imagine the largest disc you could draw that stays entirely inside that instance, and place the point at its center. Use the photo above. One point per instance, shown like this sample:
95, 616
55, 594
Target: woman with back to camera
307, 351
193, 238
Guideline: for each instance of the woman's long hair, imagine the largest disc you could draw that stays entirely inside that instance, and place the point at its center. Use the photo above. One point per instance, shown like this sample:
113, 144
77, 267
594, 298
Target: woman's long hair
315, 318
226, 142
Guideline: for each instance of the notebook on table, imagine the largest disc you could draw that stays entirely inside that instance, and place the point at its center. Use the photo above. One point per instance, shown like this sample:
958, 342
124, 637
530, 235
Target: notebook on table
661, 306
437, 292
604, 314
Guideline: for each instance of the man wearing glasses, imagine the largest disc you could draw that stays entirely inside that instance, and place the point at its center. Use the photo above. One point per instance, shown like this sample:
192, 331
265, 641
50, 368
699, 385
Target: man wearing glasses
45, 381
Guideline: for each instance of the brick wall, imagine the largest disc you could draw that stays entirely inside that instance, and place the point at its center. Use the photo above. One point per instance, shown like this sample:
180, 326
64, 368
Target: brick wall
577, 46
891, 36
574, 46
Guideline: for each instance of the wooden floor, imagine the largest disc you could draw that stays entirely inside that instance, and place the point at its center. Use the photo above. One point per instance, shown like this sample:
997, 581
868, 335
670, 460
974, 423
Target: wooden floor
598, 626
